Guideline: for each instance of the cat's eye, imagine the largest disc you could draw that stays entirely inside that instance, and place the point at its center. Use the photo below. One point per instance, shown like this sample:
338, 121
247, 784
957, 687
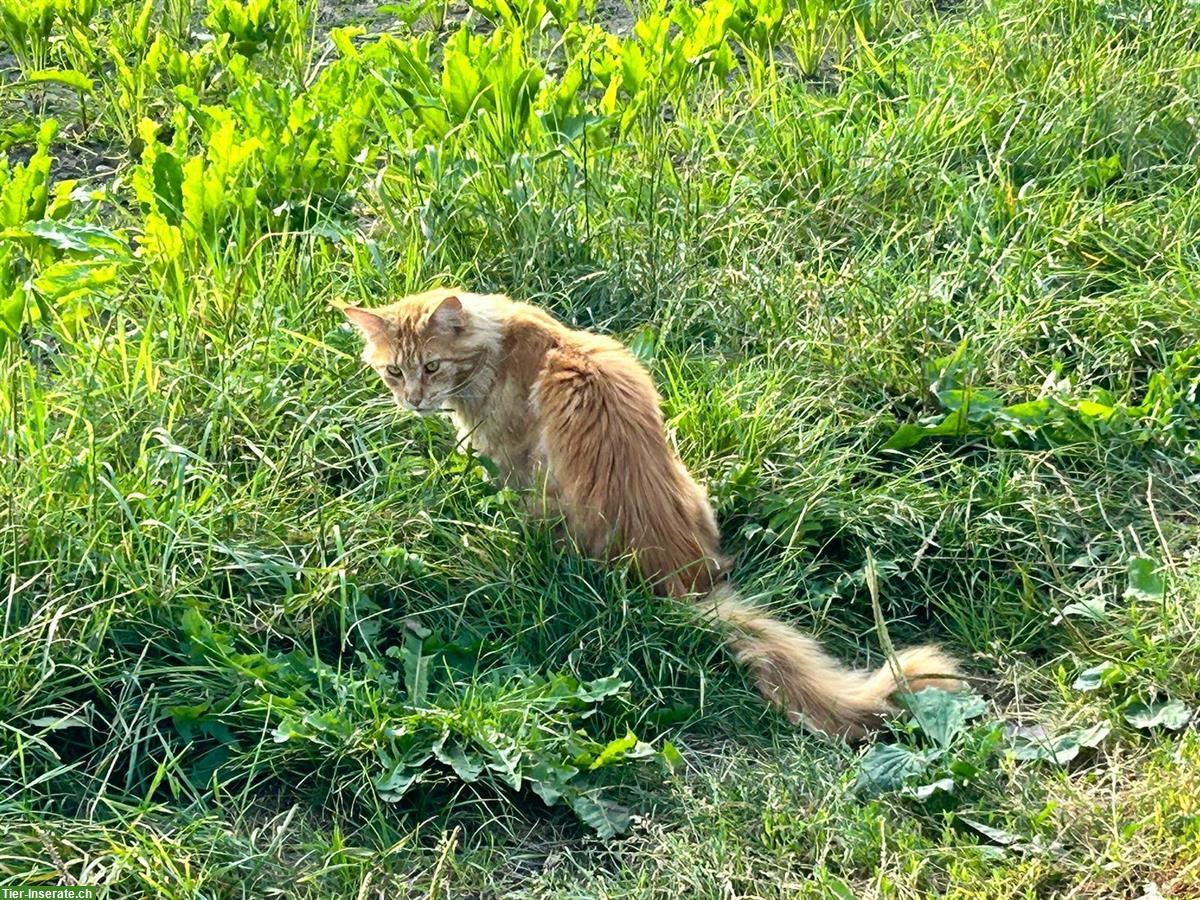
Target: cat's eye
432, 365
395, 371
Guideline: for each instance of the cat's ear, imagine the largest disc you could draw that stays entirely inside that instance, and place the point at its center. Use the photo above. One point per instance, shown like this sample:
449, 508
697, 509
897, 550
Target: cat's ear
371, 325
448, 315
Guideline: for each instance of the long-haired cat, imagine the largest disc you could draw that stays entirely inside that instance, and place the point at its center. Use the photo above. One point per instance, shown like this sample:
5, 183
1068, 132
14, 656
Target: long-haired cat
576, 417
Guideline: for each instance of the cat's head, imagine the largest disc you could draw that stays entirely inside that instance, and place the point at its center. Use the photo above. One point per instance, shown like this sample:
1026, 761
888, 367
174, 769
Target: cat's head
430, 349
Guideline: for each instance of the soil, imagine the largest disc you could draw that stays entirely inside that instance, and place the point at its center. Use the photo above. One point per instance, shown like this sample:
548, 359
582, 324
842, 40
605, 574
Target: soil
615, 16
337, 13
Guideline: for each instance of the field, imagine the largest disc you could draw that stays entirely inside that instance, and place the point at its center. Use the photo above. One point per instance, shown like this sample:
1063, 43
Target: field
920, 285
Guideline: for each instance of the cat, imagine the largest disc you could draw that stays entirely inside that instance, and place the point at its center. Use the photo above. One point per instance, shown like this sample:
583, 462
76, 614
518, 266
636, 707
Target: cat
574, 416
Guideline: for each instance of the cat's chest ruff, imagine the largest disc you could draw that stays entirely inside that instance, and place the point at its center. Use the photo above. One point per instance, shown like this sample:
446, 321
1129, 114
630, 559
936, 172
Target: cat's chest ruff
504, 429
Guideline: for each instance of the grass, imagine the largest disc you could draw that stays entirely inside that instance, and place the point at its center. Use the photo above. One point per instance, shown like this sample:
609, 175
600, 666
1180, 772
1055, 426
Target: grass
235, 576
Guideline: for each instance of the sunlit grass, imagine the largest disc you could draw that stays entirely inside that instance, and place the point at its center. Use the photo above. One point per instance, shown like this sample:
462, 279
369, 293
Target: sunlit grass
828, 232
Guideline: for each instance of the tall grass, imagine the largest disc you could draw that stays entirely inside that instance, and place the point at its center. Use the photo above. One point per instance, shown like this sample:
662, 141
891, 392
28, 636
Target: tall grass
234, 574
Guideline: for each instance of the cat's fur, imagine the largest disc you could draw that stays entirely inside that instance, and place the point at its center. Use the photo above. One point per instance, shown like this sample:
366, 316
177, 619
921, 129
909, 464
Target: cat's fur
574, 416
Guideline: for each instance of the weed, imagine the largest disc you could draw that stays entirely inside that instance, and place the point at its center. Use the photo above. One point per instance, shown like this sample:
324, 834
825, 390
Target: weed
917, 284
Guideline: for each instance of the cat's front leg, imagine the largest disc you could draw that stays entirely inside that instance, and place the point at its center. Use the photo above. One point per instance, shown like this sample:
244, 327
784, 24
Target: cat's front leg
542, 507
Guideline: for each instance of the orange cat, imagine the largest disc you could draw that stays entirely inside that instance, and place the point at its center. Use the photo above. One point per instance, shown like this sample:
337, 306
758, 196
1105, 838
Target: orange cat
576, 417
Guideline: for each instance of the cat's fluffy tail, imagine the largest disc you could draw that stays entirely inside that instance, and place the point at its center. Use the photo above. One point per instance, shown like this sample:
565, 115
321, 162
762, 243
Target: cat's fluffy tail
811, 687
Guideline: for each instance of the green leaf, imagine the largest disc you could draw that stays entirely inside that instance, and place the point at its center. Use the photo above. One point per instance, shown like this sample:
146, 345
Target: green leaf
643, 343
1093, 734
925, 791
964, 770
1034, 743
70, 278
1099, 172
335, 231
1144, 581
467, 768
1030, 414
992, 833
405, 12
505, 761
886, 767
1172, 714
672, 757
976, 404
12, 313
202, 771
614, 750
287, 729
608, 819
835, 888
628, 747
416, 669
943, 715
194, 624
70, 77
550, 780
395, 784
186, 719
595, 691
92, 239
168, 187
343, 38
906, 436
141, 27
956, 424
57, 723
1104, 675
1093, 608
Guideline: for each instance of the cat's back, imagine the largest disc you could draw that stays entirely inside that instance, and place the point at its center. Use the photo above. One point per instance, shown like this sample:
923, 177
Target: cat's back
611, 467
592, 392
585, 357
571, 357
